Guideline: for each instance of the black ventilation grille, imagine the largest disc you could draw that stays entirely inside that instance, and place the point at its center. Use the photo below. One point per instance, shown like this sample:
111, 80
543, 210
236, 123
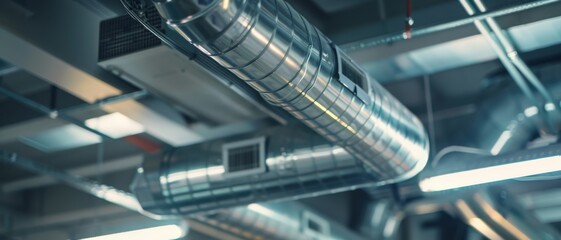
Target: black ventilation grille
243, 158
352, 73
123, 35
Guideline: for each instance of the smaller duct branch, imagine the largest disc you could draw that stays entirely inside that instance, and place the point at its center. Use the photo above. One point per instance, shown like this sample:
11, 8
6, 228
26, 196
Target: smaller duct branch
420, 31
497, 215
286, 162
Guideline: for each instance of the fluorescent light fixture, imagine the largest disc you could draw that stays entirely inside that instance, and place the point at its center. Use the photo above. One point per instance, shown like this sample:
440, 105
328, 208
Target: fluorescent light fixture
166, 232
491, 174
115, 125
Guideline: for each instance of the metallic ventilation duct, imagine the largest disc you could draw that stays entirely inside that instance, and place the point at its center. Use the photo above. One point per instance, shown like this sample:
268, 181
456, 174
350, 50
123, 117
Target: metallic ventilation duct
286, 162
278, 221
276, 51
497, 215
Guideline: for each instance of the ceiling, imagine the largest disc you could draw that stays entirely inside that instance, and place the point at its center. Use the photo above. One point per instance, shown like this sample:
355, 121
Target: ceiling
46, 47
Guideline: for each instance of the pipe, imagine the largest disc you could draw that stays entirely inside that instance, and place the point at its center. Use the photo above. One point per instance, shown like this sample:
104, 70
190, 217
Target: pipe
98, 190
545, 126
514, 56
278, 53
295, 163
278, 221
497, 215
373, 42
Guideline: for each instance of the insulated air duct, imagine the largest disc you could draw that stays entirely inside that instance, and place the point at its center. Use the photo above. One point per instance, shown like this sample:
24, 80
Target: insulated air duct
276, 51
285, 162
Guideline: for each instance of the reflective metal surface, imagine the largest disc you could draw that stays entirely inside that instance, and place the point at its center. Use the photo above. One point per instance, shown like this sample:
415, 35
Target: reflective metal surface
278, 53
299, 163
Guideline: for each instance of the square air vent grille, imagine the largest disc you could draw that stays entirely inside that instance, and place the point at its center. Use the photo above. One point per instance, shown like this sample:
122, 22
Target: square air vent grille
353, 74
244, 157
123, 35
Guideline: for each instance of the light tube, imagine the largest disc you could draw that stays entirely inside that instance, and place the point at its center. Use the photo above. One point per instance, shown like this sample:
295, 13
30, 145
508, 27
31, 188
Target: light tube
166, 232
491, 174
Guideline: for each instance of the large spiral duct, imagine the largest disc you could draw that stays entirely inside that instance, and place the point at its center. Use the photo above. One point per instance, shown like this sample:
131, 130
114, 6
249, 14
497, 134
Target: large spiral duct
286, 162
276, 51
